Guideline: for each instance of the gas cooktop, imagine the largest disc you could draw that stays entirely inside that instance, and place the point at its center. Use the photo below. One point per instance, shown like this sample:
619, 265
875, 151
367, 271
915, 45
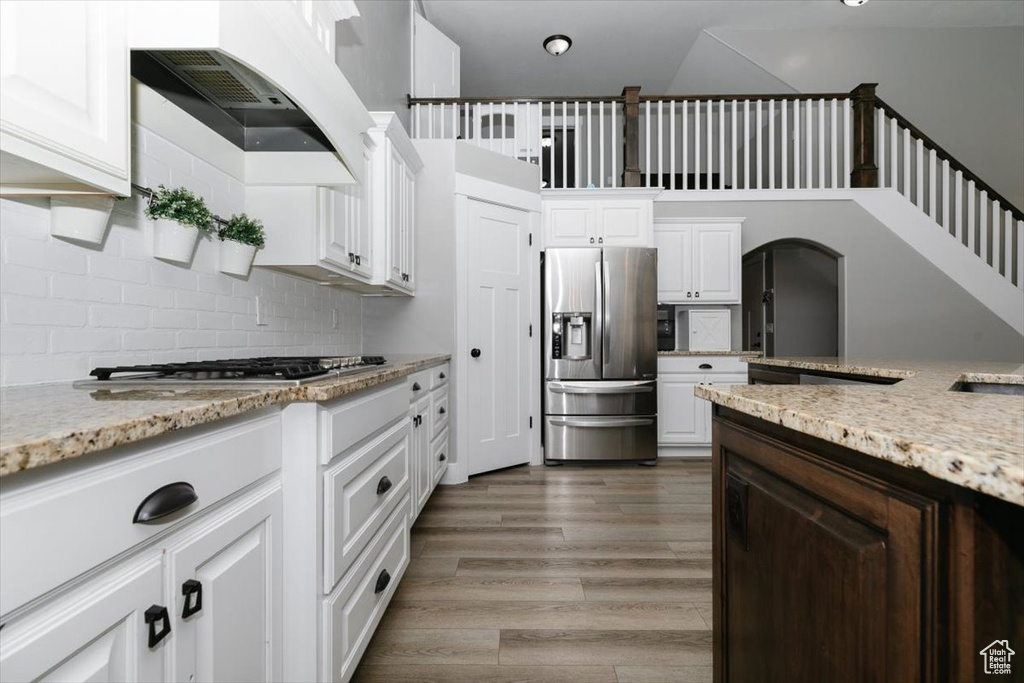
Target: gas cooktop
275, 370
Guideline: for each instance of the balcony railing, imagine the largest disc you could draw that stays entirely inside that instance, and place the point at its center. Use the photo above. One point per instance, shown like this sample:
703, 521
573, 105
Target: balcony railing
738, 142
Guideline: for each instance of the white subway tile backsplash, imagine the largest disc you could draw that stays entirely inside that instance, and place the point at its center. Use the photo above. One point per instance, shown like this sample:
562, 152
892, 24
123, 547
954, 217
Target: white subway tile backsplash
68, 308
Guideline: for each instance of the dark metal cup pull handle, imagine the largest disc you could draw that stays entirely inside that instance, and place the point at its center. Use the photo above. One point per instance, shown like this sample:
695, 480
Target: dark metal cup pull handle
441, 410
191, 606
383, 486
154, 615
165, 501
416, 386
442, 458
382, 581
442, 376
705, 366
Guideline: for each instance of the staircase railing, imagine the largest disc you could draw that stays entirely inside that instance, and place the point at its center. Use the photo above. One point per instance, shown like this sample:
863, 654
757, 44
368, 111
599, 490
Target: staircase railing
738, 142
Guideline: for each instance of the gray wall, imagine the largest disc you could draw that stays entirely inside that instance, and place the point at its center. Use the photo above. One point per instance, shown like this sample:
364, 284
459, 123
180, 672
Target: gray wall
897, 304
374, 51
806, 302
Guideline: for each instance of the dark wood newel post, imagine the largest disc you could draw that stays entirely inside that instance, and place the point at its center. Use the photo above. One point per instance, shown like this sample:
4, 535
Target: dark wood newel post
631, 137
865, 170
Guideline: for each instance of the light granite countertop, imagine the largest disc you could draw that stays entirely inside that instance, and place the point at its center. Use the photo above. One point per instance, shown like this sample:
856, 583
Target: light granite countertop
708, 353
973, 440
46, 423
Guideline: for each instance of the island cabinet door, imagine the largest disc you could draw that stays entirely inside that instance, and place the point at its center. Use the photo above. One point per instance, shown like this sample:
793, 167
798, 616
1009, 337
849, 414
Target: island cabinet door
821, 574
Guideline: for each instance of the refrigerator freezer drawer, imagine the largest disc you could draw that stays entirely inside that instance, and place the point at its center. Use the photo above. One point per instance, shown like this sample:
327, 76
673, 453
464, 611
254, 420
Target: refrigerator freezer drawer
601, 398
601, 438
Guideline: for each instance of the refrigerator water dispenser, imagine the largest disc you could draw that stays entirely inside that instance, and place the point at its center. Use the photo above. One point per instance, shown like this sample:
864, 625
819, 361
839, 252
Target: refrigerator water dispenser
571, 336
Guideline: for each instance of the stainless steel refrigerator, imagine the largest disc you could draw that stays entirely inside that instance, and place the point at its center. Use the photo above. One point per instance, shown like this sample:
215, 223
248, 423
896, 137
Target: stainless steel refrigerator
600, 354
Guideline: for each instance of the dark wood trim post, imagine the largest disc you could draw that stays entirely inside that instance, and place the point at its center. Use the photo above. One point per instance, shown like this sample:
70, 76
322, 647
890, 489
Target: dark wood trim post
865, 170
631, 136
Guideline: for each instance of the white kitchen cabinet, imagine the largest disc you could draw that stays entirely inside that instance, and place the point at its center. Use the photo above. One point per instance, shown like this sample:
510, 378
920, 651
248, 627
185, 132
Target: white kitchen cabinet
64, 109
97, 632
684, 419
225, 579
361, 237
428, 411
420, 414
611, 218
699, 260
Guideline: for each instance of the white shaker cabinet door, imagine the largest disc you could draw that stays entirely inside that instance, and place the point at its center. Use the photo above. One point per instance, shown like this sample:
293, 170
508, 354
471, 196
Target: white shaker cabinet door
624, 223
716, 273
225, 579
569, 223
682, 417
64, 78
675, 255
96, 633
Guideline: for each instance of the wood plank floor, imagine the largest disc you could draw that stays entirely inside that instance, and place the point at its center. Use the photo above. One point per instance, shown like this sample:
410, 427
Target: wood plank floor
551, 574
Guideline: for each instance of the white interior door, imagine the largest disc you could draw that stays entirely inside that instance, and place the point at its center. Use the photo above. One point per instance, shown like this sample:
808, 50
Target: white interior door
497, 334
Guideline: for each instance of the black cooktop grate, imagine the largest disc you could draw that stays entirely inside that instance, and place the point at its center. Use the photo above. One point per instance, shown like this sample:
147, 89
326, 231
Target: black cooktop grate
283, 367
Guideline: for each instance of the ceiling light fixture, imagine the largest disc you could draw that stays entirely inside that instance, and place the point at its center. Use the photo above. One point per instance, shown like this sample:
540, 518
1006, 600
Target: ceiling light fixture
557, 44
855, 3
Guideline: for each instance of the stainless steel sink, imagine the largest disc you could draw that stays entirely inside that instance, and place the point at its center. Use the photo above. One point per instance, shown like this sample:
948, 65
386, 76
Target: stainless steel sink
989, 388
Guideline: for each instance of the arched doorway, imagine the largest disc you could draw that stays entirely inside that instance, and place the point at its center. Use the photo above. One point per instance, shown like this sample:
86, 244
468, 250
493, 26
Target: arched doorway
791, 292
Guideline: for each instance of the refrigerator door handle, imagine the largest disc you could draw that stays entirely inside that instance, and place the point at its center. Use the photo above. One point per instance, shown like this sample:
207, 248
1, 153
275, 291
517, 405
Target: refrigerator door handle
599, 316
605, 388
579, 422
605, 296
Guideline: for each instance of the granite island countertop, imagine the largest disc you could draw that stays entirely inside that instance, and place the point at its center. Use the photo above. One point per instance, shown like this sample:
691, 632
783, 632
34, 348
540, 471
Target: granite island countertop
973, 440
46, 423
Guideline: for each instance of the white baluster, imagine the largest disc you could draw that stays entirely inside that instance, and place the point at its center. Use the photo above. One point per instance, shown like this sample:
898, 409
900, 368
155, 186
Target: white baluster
796, 144
809, 145
576, 147
847, 136
759, 166
696, 144
647, 144
430, 121
565, 145
958, 208
771, 144
551, 149
821, 143
880, 128
907, 178
971, 238
1008, 244
661, 149
455, 120
721, 144
746, 144
672, 144
919, 199
932, 162
784, 135
600, 120
710, 146
997, 236
945, 195
1020, 253
686, 143
733, 160
504, 128
834, 142
893, 156
983, 226
590, 146
614, 106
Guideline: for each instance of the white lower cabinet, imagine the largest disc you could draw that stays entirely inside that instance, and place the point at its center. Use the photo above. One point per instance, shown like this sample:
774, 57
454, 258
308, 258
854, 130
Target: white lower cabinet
684, 419
419, 412
429, 414
225, 580
96, 633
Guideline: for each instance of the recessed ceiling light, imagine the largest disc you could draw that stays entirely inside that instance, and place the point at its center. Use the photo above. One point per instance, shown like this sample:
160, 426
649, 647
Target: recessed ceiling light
557, 44
855, 3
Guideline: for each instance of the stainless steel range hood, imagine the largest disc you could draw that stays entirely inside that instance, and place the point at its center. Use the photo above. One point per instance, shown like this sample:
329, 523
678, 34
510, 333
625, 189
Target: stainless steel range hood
233, 100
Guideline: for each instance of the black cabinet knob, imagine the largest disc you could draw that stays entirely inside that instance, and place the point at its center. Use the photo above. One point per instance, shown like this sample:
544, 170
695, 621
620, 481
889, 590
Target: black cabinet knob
443, 376
689, 294
475, 353
441, 410
591, 240
441, 457
416, 386
382, 581
193, 592
697, 294
359, 260
383, 486
154, 616
600, 240
351, 257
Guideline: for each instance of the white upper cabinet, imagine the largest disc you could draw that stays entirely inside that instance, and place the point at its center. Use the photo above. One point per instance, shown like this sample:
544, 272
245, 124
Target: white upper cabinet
699, 260
396, 164
611, 218
64, 109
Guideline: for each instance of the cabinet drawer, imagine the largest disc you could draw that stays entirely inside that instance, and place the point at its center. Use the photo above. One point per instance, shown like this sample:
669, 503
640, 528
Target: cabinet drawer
353, 508
439, 376
352, 612
418, 384
701, 364
439, 457
350, 422
439, 411
62, 527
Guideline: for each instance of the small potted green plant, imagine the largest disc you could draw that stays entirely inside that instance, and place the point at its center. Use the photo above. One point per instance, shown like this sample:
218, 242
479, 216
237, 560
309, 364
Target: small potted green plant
178, 217
239, 240
80, 218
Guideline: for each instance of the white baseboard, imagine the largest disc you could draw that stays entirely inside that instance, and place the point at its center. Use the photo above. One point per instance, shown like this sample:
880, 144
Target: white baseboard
684, 451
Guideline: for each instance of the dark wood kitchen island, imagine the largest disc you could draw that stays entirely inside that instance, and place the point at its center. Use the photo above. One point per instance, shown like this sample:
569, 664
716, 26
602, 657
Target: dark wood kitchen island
867, 532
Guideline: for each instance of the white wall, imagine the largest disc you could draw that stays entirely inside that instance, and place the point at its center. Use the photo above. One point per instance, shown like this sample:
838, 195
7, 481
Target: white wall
962, 86
68, 308
374, 51
897, 304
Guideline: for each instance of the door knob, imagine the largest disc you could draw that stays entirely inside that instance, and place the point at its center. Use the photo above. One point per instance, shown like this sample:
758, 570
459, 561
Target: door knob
475, 353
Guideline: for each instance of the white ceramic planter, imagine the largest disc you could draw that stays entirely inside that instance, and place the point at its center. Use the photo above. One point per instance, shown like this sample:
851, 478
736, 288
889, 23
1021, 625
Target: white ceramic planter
173, 241
236, 258
80, 218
